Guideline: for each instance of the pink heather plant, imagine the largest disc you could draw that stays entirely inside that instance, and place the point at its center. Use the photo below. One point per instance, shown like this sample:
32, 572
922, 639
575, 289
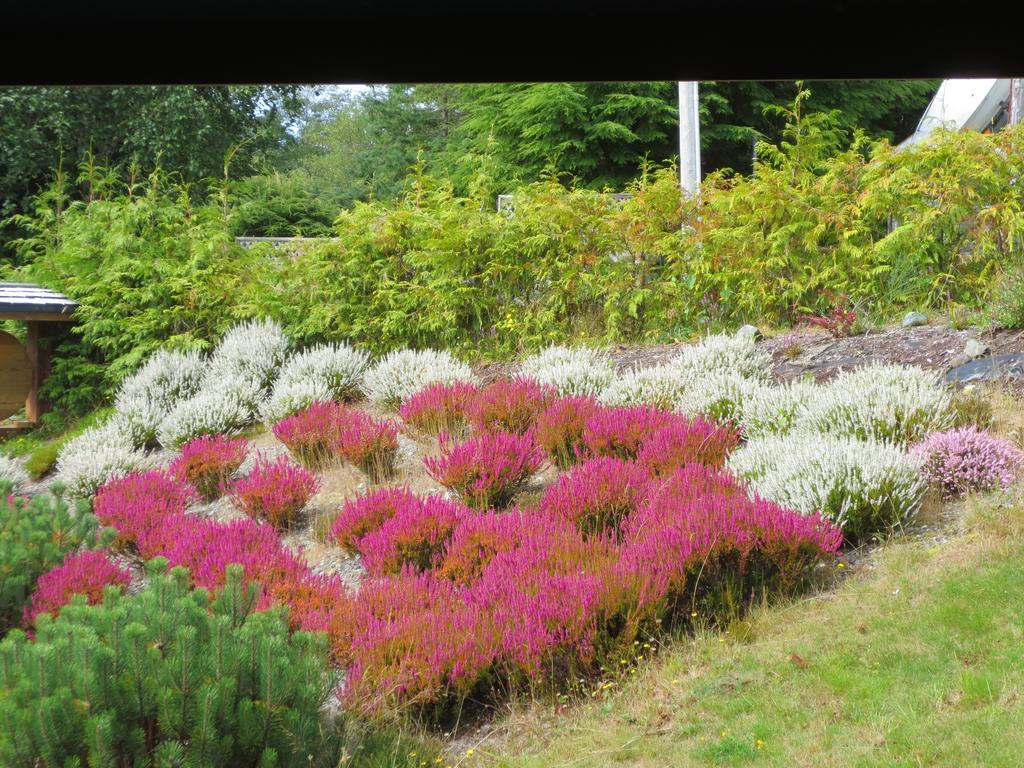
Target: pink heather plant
597, 494
439, 408
208, 461
478, 538
511, 405
414, 537
686, 441
82, 573
369, 444
368, 512
311, 434
275, 491
207, 548
486, 470
621, 431
139, 505
701, 520
412, 641
968, 459
559, 431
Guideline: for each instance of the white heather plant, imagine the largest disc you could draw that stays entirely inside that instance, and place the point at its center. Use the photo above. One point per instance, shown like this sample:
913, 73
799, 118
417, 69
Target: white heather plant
97, 455
288, 398
255, 350
404, 372
575, 371
723, 354
659, 385
148, 395
774, 409
896, 403
221, 407
717, 395
13, 472
863, 486
321, 373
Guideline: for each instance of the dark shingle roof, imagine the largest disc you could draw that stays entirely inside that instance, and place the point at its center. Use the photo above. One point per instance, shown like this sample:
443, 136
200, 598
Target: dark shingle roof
27, 297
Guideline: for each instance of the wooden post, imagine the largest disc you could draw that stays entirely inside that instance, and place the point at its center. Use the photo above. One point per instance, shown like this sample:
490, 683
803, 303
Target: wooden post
32, 407
1016, 100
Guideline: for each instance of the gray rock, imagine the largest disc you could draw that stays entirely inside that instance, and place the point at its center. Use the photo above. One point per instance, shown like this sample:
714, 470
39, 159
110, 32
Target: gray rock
975, 348
914, 319
988, 369
750, 331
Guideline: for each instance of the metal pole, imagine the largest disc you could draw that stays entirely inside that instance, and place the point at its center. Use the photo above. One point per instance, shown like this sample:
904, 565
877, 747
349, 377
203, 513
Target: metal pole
1016, 101
689, 137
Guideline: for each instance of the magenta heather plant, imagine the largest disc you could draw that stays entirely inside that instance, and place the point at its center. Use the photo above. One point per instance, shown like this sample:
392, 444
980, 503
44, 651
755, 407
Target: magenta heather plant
139, 505
367, 512
311, 434
414, 537
686, 441
439, 408
621, 431
486, 470
369, 444
597, 494
701, 521
968, 459
82, 573
478, 538
208, 461
509, 405
207, 547
275, 491
559, 431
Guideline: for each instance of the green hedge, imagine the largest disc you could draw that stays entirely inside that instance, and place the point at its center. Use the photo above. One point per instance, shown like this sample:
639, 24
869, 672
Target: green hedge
150, 264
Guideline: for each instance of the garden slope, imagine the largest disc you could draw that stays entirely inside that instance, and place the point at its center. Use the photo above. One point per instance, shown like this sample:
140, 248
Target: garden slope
935, 347
915, 660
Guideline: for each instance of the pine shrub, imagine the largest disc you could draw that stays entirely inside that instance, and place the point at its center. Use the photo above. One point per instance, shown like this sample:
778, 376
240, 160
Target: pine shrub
35, 536
166, 677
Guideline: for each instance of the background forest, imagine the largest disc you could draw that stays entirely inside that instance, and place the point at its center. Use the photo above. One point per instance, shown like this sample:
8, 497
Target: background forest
294, 156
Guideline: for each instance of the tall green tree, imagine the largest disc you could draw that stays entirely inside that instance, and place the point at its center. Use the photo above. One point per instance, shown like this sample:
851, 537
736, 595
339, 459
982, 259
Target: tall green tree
188, 129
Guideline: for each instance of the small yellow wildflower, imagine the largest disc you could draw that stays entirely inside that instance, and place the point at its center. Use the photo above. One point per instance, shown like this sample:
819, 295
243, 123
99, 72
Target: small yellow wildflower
694, 615
675, 682
760, 744
724, 734
840, 565
469, 752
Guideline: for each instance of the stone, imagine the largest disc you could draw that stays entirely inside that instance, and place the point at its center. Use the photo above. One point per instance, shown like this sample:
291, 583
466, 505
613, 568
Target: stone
975, 348
988, 369
751, 332
914, 319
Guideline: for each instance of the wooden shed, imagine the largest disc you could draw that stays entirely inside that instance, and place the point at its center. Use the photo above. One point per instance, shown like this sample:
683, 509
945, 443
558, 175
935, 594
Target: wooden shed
24, 366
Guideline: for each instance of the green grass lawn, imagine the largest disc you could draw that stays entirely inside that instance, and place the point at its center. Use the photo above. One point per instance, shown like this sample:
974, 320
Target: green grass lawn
916, 661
